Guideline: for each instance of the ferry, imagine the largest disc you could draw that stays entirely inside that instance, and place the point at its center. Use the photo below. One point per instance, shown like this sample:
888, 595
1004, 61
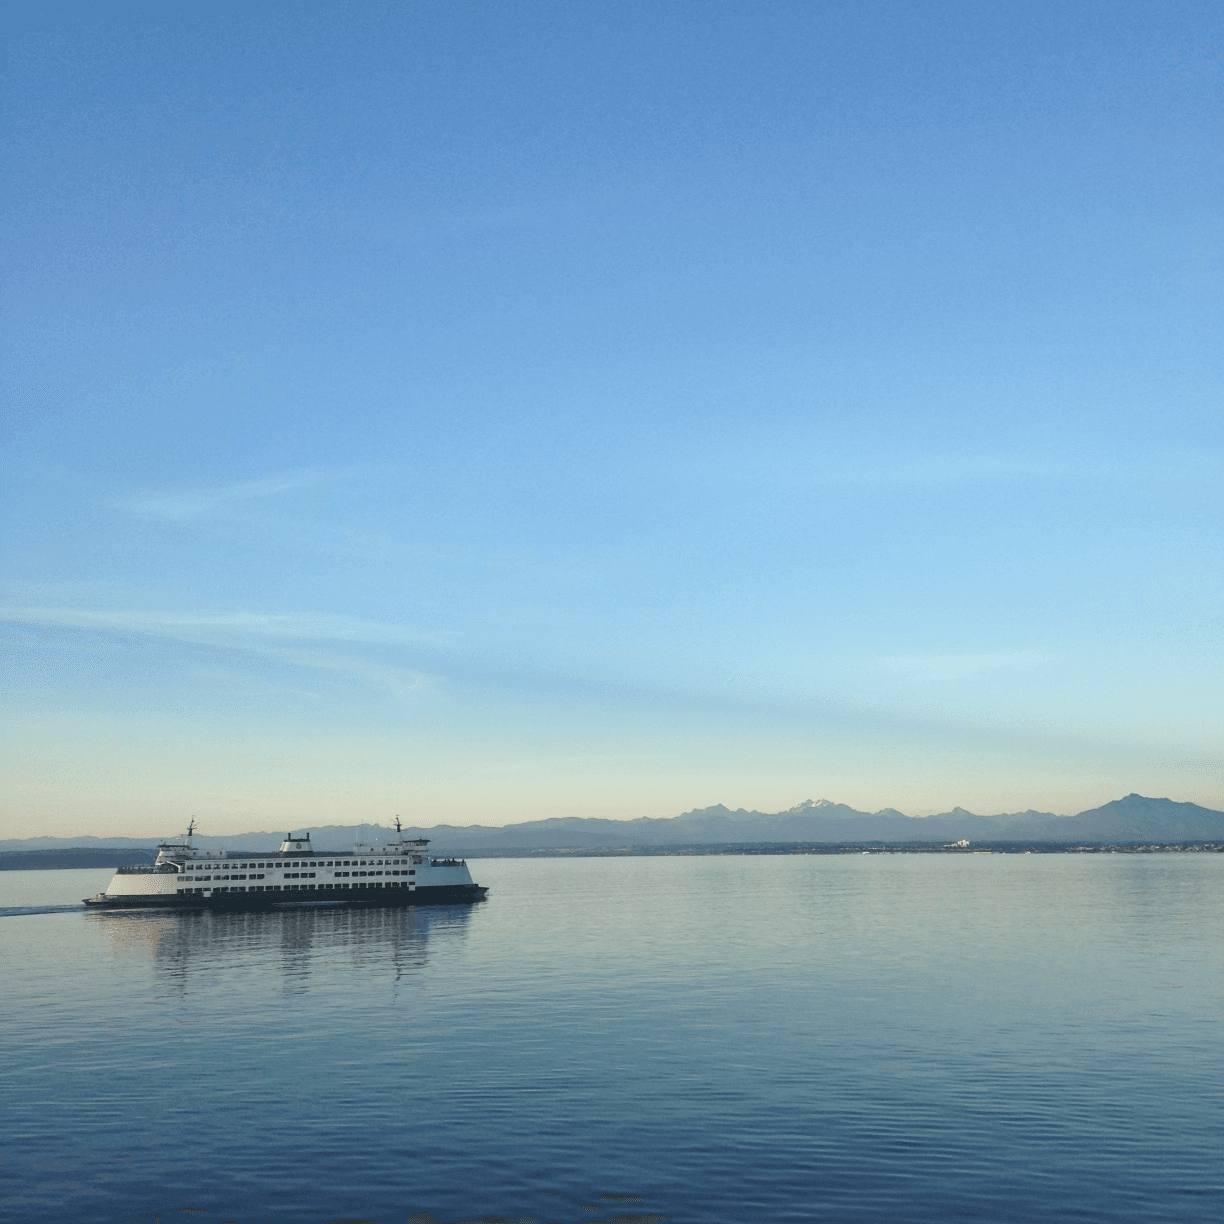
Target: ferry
401, 872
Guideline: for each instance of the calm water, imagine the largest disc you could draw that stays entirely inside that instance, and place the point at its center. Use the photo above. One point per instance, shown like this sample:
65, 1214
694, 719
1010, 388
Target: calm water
884, 1038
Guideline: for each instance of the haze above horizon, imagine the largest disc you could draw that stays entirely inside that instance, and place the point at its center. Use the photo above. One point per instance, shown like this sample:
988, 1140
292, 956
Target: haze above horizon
464, 410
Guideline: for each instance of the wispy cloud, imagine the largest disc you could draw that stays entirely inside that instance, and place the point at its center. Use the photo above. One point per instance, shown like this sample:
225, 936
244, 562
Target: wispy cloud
401, 682
354, 650
195, 502
292, 626
961, 666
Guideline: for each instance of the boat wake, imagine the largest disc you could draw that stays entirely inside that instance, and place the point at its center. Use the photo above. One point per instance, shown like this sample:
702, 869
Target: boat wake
18, 911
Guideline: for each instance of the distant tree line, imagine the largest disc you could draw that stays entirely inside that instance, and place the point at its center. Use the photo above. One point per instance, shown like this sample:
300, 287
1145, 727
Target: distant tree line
72, 856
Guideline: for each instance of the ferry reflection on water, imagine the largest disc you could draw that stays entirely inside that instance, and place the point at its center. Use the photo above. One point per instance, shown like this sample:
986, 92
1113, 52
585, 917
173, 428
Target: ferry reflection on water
244, 946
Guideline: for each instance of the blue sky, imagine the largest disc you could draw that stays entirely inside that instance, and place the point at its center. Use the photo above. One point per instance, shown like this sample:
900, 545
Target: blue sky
482, 412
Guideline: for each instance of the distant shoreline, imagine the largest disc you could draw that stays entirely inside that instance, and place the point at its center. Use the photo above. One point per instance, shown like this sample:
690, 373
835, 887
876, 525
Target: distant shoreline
98, 858
778, 848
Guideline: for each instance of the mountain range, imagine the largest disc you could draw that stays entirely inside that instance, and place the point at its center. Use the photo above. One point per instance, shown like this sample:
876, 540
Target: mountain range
1129, 820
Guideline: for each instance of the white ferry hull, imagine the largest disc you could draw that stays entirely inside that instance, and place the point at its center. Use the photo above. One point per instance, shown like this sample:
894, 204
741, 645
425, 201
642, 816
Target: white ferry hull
363, 897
